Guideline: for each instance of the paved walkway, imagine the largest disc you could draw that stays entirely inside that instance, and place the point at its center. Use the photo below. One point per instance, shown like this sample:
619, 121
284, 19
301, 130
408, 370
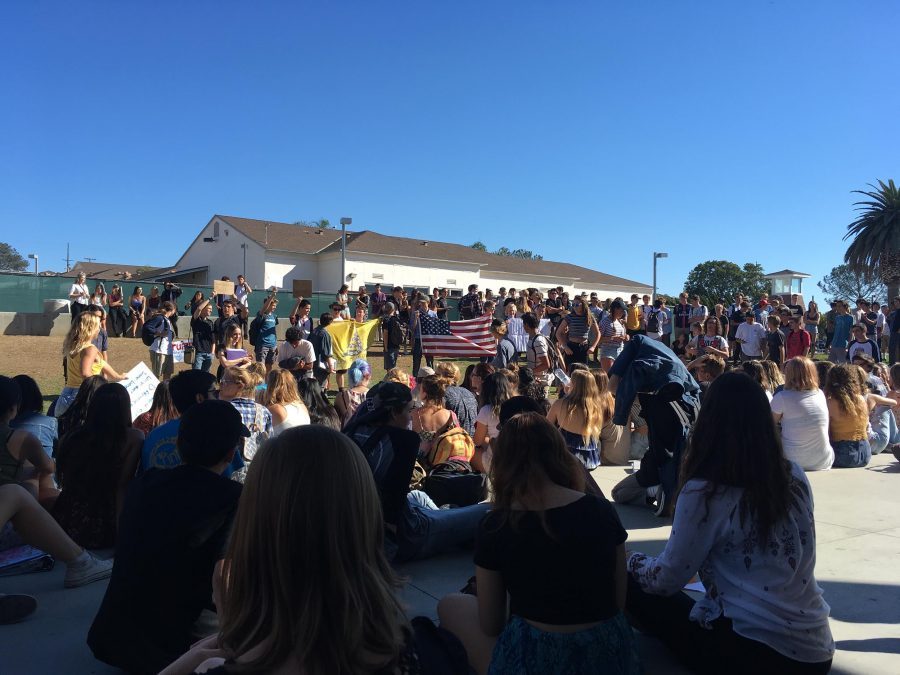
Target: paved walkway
858, 566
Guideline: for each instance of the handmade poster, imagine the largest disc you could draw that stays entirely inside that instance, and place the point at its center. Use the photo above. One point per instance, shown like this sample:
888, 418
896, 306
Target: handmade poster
225, 288
23, 560
302, 288
232, 354
141, 384
178, 349
350, 341
516, 332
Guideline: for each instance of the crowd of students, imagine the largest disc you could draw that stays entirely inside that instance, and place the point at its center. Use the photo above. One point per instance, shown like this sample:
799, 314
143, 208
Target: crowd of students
249, 499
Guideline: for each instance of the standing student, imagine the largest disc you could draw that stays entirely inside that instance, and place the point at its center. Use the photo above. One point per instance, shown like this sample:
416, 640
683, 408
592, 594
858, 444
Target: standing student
161, 361
391, 335
862, 343
811, 318
775, 340
843, 323
750, 336
799, 342
633, 317
301, 319
117, 316
537, 351
613, 335
744, 522
79, 295
222, 297
203, 332
533, 612
101, 342
242, 293
321, 342
137, 310
578, 333
266, 342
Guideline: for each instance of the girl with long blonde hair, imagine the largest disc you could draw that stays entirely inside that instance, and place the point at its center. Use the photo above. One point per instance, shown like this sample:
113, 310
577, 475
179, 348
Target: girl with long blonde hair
283, 400
82, 359
306, 587
579, 416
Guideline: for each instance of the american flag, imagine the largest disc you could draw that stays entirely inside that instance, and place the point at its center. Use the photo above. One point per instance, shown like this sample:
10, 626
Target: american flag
459, 339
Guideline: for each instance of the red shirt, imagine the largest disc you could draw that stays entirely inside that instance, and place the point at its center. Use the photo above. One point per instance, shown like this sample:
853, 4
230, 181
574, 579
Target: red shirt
797, 344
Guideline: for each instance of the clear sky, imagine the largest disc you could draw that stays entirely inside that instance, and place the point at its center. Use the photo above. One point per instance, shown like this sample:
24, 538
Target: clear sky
590, 132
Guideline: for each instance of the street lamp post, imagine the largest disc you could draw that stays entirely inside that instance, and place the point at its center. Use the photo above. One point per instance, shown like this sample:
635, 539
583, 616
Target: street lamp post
655, 257
244, 246
34, 256
344, 223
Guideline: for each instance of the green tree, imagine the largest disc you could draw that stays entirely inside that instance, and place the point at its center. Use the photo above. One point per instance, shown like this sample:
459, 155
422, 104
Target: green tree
716, 279
479, 246
845, 284
323, 223
11, 259
874, 252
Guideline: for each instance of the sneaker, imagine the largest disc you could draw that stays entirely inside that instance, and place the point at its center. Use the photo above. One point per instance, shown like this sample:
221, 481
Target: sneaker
660, 510
15, 608
94, 569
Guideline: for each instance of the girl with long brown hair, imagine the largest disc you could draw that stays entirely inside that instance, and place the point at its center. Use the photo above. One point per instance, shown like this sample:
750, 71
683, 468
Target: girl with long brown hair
542, 530
848, 416
306, 587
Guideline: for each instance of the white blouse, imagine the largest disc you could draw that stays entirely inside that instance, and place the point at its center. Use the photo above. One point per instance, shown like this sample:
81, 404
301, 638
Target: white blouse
770, 596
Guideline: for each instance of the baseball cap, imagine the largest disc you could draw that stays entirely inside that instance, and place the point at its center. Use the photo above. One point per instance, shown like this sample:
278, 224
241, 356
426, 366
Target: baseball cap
211, 423
424, 371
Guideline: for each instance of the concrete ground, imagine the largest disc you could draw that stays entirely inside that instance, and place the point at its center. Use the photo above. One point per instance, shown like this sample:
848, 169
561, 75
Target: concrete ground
858, 566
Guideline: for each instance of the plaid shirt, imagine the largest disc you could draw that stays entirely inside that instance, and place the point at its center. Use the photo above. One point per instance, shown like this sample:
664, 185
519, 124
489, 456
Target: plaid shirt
477, 305
258, 420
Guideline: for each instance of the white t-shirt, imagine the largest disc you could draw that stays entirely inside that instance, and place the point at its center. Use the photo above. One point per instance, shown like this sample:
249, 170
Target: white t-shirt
83, 299
487, 417
163, 344
752, 335
240, 294
804, 428
303, 350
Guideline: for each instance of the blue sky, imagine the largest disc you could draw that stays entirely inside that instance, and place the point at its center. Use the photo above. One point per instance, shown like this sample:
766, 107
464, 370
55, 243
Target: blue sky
590, 132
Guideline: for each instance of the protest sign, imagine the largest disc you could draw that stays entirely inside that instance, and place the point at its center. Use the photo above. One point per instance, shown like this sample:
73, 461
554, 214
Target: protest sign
223, 288
141, 384
179, 347
302, 288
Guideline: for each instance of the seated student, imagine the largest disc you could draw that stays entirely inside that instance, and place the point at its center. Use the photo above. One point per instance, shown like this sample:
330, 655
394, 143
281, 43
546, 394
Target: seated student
320, 410
160, 450
36, 527
744, 523
457, 399
416, 527
283, 401
308, 588
174, 528
30, 417
557, 553
579, 416
802, 410
22, 458
94, 465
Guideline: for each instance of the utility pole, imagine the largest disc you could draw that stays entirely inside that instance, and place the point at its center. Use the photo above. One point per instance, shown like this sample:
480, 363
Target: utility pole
67, 259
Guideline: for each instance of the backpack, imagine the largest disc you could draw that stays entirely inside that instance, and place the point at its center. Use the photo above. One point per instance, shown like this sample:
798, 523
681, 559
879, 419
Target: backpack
455, 482
149, 330
653, 321
255, 328
455, 443
553, 354
466, 307
395, 331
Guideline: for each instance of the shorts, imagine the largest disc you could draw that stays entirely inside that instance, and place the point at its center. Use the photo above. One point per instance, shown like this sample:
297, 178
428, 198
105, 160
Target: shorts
611, 351
266, 355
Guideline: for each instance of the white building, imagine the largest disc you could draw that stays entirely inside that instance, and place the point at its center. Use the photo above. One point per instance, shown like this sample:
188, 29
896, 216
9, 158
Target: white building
274, 254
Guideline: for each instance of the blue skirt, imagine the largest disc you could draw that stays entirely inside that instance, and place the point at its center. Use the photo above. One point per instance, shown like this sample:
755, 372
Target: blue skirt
588, 454
606, 649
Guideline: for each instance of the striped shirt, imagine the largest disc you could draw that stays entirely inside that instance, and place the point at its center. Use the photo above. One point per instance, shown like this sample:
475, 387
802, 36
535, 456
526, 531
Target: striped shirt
610, 328
579, 331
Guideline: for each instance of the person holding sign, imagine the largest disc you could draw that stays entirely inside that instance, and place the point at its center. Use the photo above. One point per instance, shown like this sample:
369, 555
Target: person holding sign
265, 341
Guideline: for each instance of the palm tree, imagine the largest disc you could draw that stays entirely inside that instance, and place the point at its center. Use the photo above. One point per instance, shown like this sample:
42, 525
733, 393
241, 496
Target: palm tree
875, 249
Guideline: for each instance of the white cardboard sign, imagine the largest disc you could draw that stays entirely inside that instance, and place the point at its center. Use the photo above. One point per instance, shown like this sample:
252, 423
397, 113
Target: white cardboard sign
141, 385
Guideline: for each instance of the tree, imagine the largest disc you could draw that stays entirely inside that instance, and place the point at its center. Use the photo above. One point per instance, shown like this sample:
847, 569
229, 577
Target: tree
323, 223
874, 252
715, 279
845, 284
11, 259
523, 253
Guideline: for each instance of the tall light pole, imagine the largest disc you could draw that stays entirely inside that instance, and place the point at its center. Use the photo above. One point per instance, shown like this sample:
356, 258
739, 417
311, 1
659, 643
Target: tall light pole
344, 223
244, 246
34, 256
655, 257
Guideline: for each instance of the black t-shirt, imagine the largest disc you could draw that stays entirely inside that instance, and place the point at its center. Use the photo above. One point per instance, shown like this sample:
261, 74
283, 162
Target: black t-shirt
387, 325
203, 335
220, 327
565, 579
174, 527
775, 340
737, 318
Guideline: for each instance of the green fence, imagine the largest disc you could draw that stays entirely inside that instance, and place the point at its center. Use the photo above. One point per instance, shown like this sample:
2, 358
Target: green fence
27, 293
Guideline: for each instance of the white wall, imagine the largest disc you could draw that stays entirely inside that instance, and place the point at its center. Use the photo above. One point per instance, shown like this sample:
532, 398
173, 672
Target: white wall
401, 271
282, 268
225, 257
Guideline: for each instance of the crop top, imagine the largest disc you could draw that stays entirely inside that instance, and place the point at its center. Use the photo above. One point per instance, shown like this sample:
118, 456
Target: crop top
564, 580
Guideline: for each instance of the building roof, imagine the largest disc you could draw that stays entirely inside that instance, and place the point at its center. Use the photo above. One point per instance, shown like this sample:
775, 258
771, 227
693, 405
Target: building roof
99, 270
380, 244
275, 236
785, 273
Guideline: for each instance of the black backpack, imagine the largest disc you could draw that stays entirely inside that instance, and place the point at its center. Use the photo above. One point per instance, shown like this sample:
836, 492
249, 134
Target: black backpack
653, 321
255, 327
455, 482
395, 331
155, 325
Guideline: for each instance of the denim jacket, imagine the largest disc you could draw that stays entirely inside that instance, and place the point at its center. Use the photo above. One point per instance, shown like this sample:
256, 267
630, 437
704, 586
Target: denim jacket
647, 366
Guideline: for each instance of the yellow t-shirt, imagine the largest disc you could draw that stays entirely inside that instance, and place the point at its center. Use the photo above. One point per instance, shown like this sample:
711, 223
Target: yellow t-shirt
73, 369
633, 317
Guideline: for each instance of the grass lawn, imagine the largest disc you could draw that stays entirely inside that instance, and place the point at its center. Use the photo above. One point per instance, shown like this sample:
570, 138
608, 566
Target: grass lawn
41, 357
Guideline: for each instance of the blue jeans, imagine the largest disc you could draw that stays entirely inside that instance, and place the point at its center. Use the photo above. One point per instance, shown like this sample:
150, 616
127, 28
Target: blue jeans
390, 358
851, 454
425, 530
66, 398
202, 361
884, 428
417, 357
